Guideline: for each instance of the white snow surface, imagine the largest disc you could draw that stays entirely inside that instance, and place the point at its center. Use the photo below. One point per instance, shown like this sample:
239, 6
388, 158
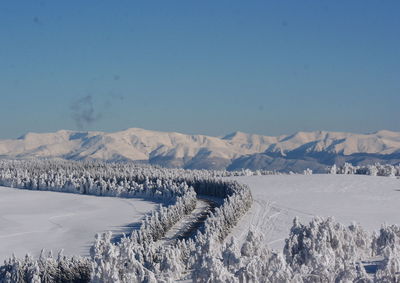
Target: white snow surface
367, 200
32, 220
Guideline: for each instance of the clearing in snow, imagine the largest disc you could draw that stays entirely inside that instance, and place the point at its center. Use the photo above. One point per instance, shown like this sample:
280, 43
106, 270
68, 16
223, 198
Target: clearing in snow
32, 220
367, 200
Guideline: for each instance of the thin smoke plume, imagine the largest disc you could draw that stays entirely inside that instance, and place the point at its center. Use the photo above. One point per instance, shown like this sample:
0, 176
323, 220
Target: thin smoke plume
83, 112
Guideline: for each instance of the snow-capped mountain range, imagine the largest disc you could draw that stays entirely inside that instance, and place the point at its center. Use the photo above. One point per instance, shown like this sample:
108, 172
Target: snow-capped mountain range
295, 152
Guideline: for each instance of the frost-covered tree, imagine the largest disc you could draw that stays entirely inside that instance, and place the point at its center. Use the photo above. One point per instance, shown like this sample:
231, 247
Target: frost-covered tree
231, 255
377, 169
387, 246
308, 171
45, 269
333, 169
325, 248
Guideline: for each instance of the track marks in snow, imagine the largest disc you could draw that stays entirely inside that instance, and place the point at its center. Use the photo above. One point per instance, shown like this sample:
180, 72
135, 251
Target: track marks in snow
20, 234
259, 217
51, 219
271, 219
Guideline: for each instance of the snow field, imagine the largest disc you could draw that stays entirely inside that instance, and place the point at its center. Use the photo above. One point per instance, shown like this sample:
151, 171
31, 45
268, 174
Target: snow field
32, 220
367, 200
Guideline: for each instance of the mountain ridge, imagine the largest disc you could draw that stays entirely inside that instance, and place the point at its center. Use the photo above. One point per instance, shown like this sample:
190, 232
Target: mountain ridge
316, 149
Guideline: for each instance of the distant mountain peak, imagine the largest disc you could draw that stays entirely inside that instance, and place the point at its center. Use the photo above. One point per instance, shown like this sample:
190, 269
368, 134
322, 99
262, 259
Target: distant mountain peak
386, 133
236, 134
235, 150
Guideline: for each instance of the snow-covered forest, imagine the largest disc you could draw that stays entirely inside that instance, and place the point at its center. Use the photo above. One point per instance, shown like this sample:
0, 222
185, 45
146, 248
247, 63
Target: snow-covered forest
136, 257
372, 170
321, 251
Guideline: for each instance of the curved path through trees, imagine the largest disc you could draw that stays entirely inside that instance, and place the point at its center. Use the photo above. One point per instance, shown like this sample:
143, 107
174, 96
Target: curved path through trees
192, 222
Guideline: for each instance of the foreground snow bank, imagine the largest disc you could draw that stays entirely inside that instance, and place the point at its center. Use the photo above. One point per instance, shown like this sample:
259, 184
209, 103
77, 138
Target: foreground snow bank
32, 220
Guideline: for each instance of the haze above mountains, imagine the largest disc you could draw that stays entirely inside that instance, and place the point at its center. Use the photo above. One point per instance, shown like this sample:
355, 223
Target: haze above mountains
315, 150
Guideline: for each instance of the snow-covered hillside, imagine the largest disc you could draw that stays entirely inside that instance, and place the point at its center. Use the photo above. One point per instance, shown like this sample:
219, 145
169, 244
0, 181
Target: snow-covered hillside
32, 220
202, 208
369, 201
294, 152
141, 255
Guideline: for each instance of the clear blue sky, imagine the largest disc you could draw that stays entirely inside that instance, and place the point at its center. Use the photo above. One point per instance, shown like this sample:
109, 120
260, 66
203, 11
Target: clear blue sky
210, 67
